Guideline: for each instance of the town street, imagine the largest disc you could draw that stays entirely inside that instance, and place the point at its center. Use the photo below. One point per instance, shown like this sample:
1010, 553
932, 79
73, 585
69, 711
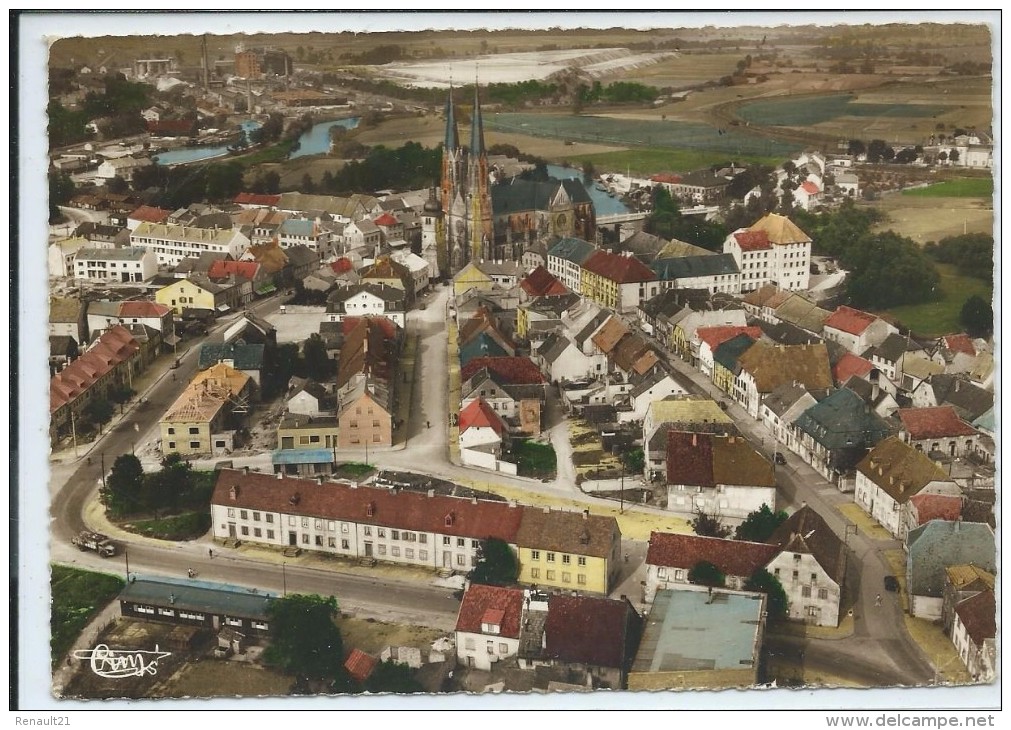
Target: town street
880, 645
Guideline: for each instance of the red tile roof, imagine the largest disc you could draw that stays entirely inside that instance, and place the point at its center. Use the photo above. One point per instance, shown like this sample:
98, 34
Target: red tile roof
150, 214
474, 519
810, 188
752, 240
732, 557
850, 365
241, 269
979, 616
257, 199
936, 507
618, 268
387, 327
960, 343
479, 599
847, 319
506, 370
716, 336
386, 220
478, 414
115, 346
183, 126
590, 630
931, 423
705, 460
541, 283
666, 177
360, 665
142, 309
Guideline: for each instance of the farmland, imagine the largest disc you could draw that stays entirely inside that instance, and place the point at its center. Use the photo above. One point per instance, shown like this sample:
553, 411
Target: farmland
976, 187
803, 111
926, 219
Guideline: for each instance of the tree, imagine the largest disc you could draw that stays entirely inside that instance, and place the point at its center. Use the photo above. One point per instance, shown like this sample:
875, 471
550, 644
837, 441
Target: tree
117, 185
634, 460
762, 581
99, 411
61, 190
391, 677
121, 493
887, 270
172, 485
306, 642
879, 150
856, 147
589, 171
759, 525
953, 156
496, 564
704, 573
977, 317
709, 525
318, 365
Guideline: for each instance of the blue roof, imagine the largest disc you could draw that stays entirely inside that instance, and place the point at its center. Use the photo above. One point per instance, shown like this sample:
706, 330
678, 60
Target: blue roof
198, 595
297, 227
244, 357
482, 345
843, 420
687, 267
683, 625
302, 456
575, 250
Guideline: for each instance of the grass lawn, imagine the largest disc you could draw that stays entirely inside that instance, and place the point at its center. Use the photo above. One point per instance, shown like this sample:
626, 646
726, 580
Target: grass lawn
77, 596
187, 526
933, 319
534, 459
354, 470
966, 187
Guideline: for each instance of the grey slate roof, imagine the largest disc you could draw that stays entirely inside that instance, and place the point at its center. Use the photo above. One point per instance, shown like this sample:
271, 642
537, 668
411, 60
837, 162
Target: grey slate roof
584, 334
939, 544
968, 399
730, 351
575, 250
517, 194
553, 347
892, 348
246, 357
783, 397
686, 267
843, 421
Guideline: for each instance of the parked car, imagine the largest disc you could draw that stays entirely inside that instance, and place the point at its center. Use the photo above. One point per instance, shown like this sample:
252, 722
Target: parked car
892, 584
779, 458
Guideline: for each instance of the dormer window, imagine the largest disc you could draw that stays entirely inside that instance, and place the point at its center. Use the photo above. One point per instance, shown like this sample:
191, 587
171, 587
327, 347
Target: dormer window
371, 509
449, 519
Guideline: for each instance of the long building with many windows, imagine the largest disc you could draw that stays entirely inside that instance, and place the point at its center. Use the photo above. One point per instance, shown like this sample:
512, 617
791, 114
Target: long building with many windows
172, 243
413, 528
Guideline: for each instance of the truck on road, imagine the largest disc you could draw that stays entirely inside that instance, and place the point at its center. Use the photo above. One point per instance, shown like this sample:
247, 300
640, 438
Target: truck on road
95, 541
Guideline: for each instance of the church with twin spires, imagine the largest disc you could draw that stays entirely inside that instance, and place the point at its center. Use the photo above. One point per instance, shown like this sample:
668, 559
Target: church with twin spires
476, 216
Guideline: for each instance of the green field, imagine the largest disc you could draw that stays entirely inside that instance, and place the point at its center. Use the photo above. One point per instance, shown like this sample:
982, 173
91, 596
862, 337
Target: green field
805, 111
969, 187
77, 596
650, 161
187, 526
731, 142
933, 319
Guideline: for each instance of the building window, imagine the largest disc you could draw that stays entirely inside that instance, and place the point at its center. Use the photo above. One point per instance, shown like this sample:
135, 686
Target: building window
535, 573
535, 554
581, 560
194, 430
566, 577
171, 444
394, 534
566, 559
171, 430
550, 575
461, 560
270, 534
581, 579
469, 644
270, 518
823, 593
551, 557
345, 528
257, 532
409, 553
305, 522
231, 512
503, 648
796, 575
245, 530
305, 539
367, 530
345, 545
396, 551
460, 542
445, 541
194, 444
318, 524
382, 550
291, 521
679, 574
805, 592
256, 517
331, 541
243, 514
423, 538
381, 532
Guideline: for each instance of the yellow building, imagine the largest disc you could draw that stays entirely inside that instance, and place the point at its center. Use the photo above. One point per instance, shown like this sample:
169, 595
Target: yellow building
600, 289
307, 432
568, 550
186, 294
471, 277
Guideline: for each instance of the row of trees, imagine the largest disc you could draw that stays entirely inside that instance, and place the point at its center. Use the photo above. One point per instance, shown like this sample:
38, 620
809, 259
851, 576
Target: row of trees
410, 166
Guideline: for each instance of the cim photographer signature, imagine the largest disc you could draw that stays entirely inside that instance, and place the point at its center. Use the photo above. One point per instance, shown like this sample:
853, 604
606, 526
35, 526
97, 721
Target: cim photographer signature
118, 664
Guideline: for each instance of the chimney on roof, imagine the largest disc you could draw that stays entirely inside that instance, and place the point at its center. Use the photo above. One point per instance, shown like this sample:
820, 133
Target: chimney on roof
431, 492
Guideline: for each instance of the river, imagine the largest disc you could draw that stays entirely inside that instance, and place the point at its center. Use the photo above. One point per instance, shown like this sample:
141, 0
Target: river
317, 140
196, 154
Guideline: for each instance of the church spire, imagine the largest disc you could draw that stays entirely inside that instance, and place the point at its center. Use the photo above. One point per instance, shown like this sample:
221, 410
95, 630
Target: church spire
477, 126
452, 135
